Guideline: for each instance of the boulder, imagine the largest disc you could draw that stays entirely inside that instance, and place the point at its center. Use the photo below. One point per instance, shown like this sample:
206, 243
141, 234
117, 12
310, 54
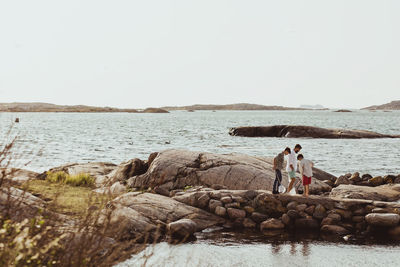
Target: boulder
272, 224
383, 219
137, 214
127, 170
389, 179
226, 200
301, 207
293, 214
286, 219
355, 178
300, 131
182, 228
220, 211
376, 181
310, 210
342, 180
236, 213
397, 180
334, 230
180, 168
292, 205
379, 193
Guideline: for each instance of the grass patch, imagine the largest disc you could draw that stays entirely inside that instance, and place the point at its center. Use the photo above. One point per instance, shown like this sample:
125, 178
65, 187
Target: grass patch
66, 199
81, 179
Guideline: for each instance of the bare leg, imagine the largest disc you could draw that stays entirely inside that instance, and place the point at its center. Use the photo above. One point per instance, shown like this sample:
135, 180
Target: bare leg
306, 189
292, 180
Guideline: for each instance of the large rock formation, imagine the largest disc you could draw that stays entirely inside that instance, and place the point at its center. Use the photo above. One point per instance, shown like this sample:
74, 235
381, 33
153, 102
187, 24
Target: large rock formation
174, 169
394, 105
380, 193
136, 215
297, 131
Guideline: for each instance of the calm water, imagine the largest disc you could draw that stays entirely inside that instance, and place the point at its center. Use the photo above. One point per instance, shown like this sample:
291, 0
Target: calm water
116, 137
229, 251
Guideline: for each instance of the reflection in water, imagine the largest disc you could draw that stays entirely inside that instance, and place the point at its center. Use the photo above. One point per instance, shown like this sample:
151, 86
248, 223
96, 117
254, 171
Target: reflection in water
246, 248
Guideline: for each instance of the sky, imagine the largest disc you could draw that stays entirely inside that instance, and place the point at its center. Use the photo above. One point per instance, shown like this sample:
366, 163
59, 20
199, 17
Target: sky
136, 54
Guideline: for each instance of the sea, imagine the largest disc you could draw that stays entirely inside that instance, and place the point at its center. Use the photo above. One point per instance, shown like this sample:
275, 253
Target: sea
46, 140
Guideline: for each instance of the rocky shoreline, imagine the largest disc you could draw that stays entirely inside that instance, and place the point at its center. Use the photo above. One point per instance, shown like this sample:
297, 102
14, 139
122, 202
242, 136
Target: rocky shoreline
176, 193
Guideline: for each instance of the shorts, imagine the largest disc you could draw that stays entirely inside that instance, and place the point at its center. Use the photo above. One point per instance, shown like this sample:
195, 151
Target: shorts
292, 174
306, 180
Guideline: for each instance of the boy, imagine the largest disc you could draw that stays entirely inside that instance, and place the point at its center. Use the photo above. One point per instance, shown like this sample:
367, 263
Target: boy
305, 172
292, 165
278, 166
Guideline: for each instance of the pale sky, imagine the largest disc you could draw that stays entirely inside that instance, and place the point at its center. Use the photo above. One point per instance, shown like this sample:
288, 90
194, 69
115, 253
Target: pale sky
135, 54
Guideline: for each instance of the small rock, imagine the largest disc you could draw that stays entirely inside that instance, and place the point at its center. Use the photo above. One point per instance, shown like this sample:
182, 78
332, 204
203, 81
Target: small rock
319, 212
310, 210
336, 217
286, 219
291, 205
389, 179
328, 221
346, 214
238, 199
226, 200
215, 194
232, 205
334, 230
250, 194
376, 181
182, 228
236, 213
366, 177
249, 209
293, 214
301, 207
395, 233
202, 202
360, 211
220, 211
397, 180
258, 217
379, 210
271, 224
383, 219
249, 223
213, 204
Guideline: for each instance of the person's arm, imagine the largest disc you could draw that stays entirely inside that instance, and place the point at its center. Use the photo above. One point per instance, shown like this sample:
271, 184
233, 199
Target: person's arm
274, 166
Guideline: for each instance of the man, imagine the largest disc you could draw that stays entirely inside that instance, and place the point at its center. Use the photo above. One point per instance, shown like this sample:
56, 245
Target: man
305, 172
291, 166
278, 166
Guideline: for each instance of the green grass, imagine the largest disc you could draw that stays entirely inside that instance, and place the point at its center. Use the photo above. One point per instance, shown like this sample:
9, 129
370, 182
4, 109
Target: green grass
64, 198
81, 179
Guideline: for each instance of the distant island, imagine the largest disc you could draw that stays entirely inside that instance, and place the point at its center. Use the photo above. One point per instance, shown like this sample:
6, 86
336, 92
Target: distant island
46, 107
313, 107
394, 105
239, 106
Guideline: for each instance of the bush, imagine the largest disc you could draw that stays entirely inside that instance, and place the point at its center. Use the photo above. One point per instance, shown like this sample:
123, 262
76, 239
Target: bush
81, 179
56, 177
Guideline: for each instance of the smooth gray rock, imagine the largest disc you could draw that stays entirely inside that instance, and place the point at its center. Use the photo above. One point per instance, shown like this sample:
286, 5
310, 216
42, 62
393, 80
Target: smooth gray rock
383, 219
182, 228
272, 224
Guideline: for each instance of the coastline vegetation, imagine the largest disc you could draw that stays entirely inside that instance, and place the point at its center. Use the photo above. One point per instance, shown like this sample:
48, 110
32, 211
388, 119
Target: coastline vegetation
80, 179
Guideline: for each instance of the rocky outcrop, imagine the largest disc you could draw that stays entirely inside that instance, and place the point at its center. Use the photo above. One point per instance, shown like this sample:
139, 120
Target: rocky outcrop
379, 193
298, 131
383, 220
155, 110
394, 105
98, 170
176, 169
17, 176
138, 215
